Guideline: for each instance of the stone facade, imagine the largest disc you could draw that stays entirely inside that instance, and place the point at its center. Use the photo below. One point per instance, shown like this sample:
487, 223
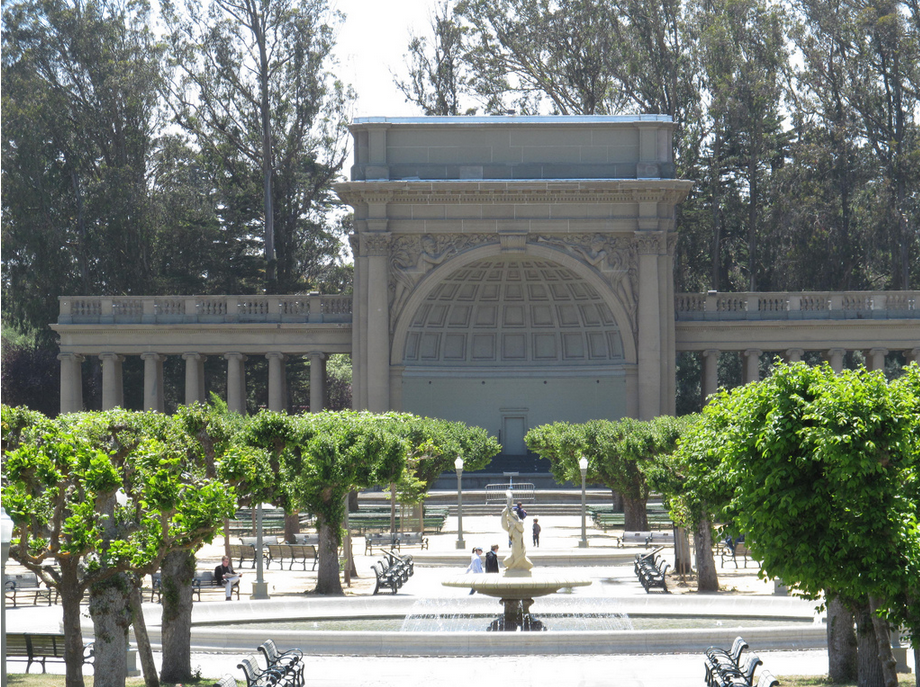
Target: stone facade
509, 271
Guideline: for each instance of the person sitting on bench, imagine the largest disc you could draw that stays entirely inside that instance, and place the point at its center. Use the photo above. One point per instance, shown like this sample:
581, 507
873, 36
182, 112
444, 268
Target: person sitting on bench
226, 575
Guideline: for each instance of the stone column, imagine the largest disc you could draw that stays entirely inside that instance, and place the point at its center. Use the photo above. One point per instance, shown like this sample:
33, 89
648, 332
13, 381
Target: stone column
794, 355
112, 388
317, 381
194, 377
835, 357
912, 355
752, 365
71, 382
710, 374
876, 358
153, 381
236, 382
649, 321
358, 327
276, 381
378, 323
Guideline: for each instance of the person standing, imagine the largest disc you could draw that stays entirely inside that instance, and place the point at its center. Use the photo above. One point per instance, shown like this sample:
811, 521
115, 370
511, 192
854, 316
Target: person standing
475, 565
226, 575
536, 532
492, 559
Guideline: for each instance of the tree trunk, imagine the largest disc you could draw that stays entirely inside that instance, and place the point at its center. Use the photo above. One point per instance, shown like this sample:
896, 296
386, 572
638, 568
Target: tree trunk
327, 568
111, 613
178, 570
291, 526
143, 640
707, 577
841, 642
883, 638
682, 561
71, 596
616, 501
868, 663
634, 514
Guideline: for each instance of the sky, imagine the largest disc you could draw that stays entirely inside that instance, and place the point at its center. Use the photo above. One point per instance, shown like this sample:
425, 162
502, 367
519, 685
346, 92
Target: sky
371, 44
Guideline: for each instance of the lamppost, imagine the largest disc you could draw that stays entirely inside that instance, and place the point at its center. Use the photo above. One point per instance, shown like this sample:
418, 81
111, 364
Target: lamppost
583, 466
6, 533
260, 586
458, 466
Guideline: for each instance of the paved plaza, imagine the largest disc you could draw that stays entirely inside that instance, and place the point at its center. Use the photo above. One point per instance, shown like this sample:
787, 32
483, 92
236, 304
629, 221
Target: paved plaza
602, 562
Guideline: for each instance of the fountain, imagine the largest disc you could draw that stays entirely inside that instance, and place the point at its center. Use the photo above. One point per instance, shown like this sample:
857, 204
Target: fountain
518, 585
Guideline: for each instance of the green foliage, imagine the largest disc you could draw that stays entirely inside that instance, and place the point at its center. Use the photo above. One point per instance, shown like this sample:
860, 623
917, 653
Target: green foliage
821, 471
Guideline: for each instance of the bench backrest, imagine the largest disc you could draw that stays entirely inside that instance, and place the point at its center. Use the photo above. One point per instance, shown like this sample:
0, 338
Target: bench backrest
23, 580
302, 550
205, 578
306, 539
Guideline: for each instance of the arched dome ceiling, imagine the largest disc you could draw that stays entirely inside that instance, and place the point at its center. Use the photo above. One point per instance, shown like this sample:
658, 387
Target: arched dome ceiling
513, 312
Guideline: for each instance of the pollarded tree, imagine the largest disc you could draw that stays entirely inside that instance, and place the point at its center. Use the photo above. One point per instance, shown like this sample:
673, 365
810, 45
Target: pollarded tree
823, 470
615, 451
97, 500
320, 458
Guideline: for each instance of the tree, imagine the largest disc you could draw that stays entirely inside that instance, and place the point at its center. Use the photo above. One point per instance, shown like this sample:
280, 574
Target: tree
615, 451
436, 78
823, 470
79, 113
105, 496
251, 90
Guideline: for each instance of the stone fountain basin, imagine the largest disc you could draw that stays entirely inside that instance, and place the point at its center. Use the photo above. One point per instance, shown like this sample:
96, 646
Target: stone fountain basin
516, 585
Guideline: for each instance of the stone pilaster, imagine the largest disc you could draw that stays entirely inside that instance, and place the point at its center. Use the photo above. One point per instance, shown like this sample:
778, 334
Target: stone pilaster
236, 382
71, 382
649, 245
153, 381
376, 247
112, 387
794, 355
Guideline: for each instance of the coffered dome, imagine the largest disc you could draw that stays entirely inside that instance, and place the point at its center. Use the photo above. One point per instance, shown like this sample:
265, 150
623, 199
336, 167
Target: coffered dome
513, 312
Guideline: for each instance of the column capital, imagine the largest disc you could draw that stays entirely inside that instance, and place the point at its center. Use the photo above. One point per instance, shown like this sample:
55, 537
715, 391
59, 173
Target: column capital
375, 243
191, 355
151, 355
878, 350
235, 355
319, 355
794, 354
651, 242
753, 351
73, 357
107, 355
275, 355
712, 351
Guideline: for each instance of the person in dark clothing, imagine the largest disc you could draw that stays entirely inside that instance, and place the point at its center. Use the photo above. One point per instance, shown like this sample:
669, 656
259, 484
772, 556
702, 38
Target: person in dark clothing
536, 532
226, 575
492, 560
519, 509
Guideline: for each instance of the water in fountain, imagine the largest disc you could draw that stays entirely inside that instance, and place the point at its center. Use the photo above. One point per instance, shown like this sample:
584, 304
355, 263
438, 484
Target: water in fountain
559, 614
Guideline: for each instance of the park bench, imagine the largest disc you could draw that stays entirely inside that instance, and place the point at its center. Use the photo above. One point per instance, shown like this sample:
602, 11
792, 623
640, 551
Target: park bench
256, 677
740, 551
18, 585
392, 572
651, 569
306, 539
244, 552
289, 662
295, 553
737, 676
205, 580
226, 681
646, 538
381, 540
715, 657
40, 648
413, 539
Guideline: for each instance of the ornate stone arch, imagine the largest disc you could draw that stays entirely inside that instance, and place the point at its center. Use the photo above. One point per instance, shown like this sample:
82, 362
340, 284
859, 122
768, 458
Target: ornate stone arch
554, 250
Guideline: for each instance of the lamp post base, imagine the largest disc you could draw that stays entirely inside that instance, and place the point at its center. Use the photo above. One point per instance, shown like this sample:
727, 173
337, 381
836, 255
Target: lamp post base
461, 544
583, 544
259, 591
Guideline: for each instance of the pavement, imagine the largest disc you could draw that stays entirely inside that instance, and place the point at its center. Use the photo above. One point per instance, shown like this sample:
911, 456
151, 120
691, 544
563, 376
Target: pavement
602, 561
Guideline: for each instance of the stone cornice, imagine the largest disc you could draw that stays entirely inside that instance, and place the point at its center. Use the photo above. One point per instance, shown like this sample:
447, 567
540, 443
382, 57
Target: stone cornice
524, 191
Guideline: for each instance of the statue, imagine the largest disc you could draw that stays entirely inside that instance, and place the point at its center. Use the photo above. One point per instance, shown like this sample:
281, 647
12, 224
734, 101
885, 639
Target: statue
514, 526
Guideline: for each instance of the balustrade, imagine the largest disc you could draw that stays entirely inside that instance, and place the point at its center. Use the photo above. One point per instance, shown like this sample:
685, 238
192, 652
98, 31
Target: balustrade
804, 305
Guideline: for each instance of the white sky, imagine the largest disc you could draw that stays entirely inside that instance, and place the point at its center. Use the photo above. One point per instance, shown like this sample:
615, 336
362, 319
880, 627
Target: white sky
371, 44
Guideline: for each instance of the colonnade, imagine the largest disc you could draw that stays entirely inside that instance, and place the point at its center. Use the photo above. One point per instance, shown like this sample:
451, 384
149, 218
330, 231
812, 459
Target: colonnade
875, 360
113, 388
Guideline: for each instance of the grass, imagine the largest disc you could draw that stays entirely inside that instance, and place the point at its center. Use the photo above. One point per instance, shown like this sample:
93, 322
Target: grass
58, 681
39, 680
